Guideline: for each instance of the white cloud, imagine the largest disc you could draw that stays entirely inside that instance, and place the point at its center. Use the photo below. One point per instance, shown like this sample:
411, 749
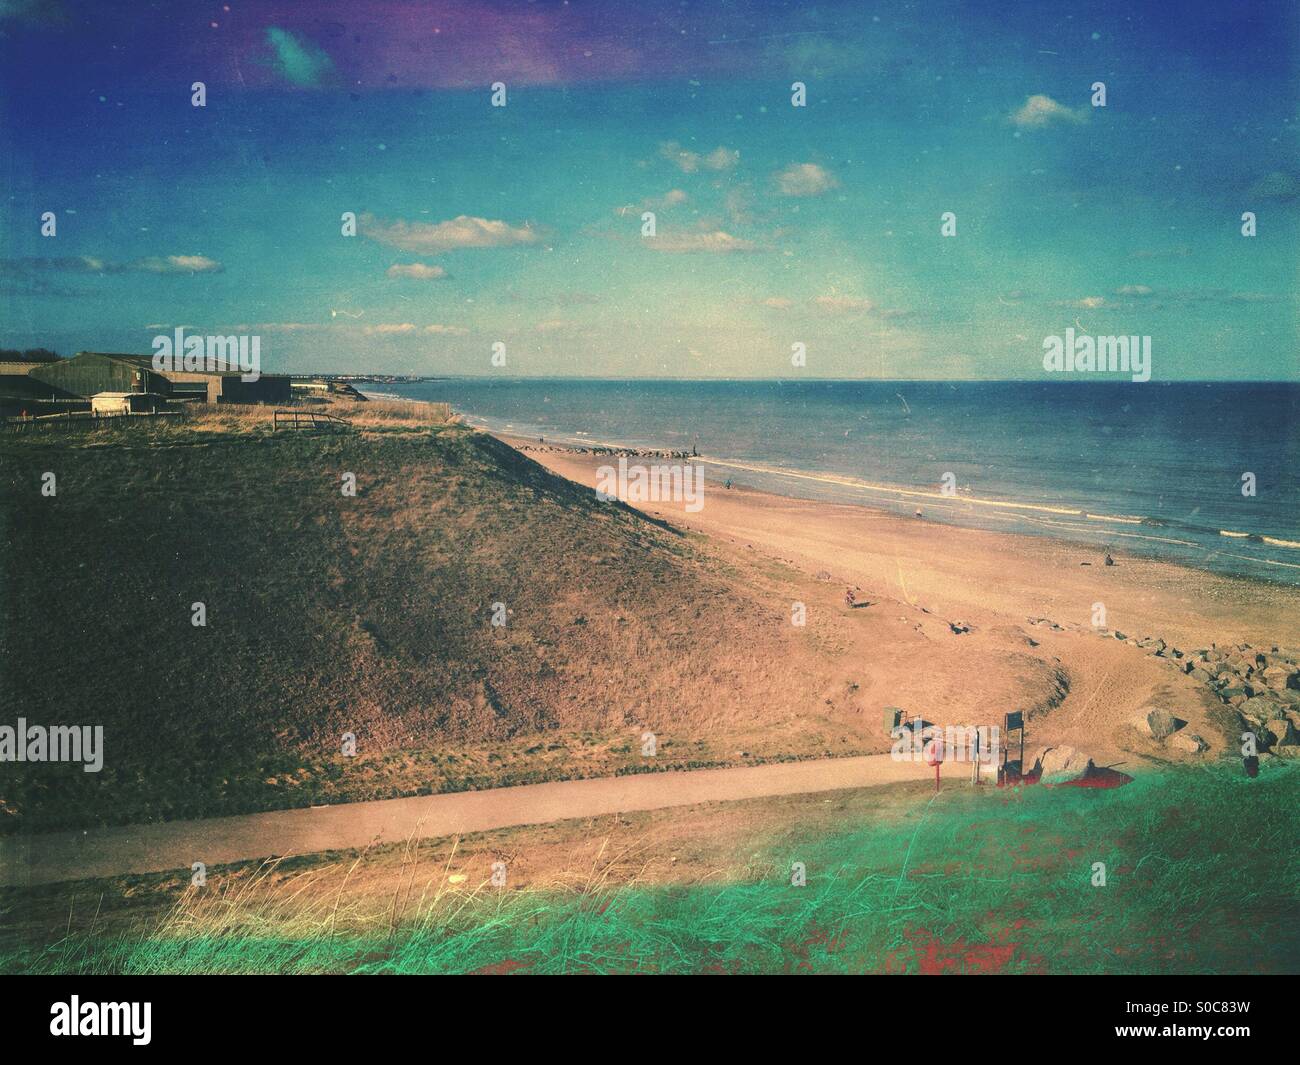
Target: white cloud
379, 329
1134, 290
416, 271
90, 264
689, 162
1039, 110
779, 303
671, 198
805, 179
177, 264
433, 238
285, 327
389, 329
721, 159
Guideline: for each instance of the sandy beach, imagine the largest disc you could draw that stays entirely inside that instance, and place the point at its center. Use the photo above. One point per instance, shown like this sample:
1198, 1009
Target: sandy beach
1028, 603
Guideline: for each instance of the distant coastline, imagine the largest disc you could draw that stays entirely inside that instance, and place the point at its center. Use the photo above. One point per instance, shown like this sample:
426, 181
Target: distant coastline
1158, 473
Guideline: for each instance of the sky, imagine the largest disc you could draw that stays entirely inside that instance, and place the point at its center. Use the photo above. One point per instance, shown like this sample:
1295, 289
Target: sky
522, 225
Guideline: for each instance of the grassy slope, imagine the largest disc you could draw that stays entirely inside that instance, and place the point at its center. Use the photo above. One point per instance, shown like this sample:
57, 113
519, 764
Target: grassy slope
328, 614
963, 882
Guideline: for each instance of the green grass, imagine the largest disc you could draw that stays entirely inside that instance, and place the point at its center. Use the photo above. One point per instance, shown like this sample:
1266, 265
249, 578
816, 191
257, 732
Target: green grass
1202, 877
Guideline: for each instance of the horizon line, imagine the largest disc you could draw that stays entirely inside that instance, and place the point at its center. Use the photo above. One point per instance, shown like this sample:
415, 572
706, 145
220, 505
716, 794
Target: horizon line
1119, 380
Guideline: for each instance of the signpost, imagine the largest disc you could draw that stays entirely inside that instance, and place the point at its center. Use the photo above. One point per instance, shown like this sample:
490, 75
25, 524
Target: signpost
934, 756
1013, 721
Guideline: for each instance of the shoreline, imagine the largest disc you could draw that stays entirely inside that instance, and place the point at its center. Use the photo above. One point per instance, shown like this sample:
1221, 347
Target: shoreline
578, 463
1181, 542
934, 501
1141, 633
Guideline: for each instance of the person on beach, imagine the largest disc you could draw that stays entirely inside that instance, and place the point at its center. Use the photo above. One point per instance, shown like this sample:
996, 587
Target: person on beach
849, 598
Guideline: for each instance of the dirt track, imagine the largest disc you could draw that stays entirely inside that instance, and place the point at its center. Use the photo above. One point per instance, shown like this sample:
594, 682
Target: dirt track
175, 845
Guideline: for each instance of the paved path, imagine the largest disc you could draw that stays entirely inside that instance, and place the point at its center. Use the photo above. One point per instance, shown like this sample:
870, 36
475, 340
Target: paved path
175, 845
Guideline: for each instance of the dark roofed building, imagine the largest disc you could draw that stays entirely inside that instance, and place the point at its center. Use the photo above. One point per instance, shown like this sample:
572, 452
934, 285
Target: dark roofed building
230, 387
90, 372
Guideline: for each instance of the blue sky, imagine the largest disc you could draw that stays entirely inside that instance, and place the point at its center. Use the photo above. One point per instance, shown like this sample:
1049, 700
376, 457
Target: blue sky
775, 225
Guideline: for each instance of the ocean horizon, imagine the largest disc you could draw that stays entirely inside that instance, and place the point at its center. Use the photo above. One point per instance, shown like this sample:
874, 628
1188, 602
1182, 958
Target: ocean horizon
1163, 471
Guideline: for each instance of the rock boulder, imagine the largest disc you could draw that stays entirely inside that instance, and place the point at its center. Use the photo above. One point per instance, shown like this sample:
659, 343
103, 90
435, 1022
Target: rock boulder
1189, 742
1058, 765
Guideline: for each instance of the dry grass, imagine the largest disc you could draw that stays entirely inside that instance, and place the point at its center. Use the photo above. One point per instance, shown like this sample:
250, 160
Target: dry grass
369, 613
395, 412
377, 414
236, 419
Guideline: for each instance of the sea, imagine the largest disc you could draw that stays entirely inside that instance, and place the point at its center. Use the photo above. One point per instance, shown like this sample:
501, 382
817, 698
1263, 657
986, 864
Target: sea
1203, 473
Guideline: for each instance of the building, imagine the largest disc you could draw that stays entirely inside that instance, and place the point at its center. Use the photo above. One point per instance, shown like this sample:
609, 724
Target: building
14, 380
21, 393
127, 403
21, 368
89, 373
229, 387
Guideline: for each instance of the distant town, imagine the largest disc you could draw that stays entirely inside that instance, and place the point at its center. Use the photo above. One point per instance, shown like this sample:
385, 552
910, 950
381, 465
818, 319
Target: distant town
38, 382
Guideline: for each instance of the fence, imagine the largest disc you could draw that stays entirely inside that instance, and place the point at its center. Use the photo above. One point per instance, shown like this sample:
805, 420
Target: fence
309, 421
84, 419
